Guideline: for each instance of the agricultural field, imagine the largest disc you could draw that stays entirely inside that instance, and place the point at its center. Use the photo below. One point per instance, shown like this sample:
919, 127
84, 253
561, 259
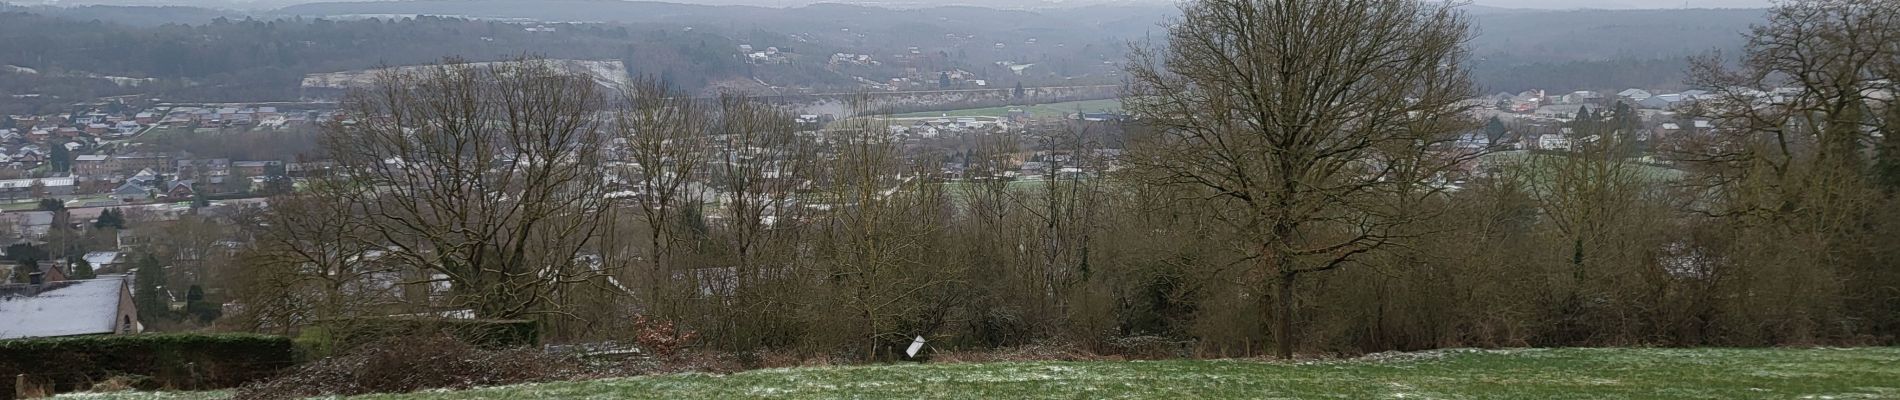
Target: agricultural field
1822, 373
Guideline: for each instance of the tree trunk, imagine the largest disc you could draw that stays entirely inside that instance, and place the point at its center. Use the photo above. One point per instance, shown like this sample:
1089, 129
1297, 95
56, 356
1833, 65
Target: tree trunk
1283, 324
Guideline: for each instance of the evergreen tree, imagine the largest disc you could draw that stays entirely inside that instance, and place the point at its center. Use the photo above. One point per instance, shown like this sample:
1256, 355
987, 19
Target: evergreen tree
1018, 93
943, 80
52, 205
203, 311
1624, 118
60, 158
1495, 130
147, 286
82, 269
110, 218
21, 252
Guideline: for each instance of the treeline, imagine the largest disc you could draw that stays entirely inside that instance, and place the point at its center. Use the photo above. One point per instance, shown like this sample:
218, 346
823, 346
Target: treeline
1607, 76
1212, 235
257, 60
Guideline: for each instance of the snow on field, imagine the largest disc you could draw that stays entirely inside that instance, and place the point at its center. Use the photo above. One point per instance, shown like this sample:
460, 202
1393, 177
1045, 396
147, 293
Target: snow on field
609, 73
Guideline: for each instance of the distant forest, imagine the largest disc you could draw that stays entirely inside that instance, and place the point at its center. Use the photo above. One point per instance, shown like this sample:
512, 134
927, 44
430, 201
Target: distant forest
1562, 51
250, 60
68, 55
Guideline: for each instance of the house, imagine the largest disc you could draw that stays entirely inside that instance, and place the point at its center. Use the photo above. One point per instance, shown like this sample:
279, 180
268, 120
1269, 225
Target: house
132, 191
179, 189
1553, 142
92, 165
1667, 129
1560, 111
68, 308
1582, 97
29, 155
134, 162
1661, 101
47, 271
105, 261
33, 224
143, 177
306, 169
1634, 94
1527, 102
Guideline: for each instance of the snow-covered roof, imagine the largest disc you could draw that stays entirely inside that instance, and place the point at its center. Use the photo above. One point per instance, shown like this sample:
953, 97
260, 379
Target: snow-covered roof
99, 258
65, 308
25, 183
34, 218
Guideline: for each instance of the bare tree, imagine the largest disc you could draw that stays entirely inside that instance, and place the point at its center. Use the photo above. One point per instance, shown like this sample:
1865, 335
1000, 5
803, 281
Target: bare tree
1784, 174
882, 240
1302, 119
666, 135
762, 163
482, 176
310, 265
1798, 114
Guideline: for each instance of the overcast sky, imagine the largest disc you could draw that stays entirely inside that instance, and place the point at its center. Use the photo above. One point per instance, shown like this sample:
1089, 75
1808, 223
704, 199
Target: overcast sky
1566, 4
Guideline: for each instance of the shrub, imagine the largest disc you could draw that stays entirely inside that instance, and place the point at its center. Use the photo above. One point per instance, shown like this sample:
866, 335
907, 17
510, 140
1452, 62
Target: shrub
180, 361
341, 336
1151, 347
409, 363
661, 338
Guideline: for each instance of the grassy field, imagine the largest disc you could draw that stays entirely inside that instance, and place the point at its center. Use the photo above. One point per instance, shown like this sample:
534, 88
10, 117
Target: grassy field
1867, 373
1039, 110
1651, 172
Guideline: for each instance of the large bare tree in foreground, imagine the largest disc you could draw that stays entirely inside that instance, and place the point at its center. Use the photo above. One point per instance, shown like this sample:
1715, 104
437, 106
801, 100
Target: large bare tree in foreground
1786, 171
485, 177
1310, 124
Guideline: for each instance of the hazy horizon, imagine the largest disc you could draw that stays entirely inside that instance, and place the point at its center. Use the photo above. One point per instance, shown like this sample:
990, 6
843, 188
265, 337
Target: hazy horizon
1524, 4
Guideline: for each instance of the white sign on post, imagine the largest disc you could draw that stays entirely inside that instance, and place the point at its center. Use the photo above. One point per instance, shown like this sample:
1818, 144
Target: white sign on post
915, 346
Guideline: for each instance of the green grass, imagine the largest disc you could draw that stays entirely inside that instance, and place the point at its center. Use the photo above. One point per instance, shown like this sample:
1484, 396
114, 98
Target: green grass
1453, 374
1038, 110
20, 205
1646, 171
